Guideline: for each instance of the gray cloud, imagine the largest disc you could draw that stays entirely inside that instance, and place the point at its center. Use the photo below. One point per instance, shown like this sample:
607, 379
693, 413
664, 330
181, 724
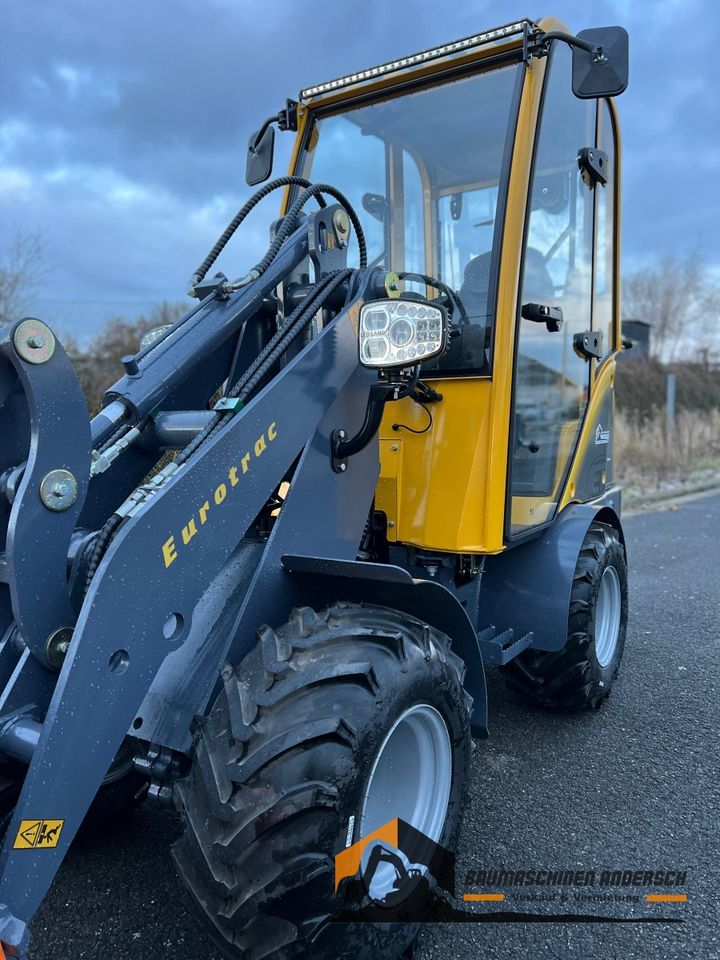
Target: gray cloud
123, 126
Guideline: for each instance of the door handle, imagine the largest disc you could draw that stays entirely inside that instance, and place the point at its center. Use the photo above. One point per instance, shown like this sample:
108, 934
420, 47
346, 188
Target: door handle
552, 317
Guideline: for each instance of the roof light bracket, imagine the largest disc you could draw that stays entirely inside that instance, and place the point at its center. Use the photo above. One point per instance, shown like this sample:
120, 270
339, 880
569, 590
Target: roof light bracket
524, 27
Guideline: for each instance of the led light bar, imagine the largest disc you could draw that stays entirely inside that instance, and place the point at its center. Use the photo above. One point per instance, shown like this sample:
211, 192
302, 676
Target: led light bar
476, 40
401, 333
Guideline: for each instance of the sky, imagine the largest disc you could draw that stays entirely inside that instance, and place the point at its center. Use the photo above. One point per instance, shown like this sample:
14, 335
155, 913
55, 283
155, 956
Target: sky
123, 127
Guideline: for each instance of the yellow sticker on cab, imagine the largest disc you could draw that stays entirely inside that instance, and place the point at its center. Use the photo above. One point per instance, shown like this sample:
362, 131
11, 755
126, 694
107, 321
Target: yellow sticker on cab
38, 834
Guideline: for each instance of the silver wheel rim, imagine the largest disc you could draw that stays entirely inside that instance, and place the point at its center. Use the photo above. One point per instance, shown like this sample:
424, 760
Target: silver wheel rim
411, 775
608, 609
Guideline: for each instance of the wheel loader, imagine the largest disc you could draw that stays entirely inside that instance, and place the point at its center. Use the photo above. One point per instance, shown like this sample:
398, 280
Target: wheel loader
264, 582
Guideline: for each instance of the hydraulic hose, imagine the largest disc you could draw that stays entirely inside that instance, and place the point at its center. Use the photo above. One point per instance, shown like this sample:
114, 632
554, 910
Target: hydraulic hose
287, 225
99, 549
228, 232
438, 285
269, 355
278, 343
290, 222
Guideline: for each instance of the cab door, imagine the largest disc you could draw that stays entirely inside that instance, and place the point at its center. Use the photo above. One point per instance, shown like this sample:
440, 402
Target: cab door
551, 380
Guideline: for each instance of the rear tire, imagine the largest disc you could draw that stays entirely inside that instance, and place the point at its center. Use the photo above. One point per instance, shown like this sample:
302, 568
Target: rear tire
282, 766
581, 674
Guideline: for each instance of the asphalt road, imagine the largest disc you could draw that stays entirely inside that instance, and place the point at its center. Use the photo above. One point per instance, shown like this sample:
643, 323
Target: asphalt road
633, 786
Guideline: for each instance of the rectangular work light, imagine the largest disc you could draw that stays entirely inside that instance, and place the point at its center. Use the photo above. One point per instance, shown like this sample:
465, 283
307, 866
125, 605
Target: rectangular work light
401, 333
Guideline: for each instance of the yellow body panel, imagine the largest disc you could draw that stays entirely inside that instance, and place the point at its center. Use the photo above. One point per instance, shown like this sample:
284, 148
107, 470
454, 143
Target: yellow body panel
604, 381
433, 486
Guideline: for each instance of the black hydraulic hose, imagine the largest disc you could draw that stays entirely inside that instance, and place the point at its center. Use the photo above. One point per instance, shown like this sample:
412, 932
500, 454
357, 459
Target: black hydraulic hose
439, 285
290, 221
102, 542
114, 437
258, 369
268, 356
120, 433
277, 344
303, 315
227, 233
287, 334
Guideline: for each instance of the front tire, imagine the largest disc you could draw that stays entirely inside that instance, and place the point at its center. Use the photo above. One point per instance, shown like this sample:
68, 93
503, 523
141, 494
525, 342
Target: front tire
284, 770
581, 674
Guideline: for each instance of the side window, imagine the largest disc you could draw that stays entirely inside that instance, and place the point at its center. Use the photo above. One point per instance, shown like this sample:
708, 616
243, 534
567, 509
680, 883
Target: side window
466, 221
604, 302
551, 380
356, 164
414, 214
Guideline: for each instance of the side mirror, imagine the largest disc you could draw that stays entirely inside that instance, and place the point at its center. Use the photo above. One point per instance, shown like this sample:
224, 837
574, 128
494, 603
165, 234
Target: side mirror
603, 70
261, 148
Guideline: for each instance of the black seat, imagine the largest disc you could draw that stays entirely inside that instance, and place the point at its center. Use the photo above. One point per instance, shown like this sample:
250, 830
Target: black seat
471, 348
475, 288
474, 292
537, 285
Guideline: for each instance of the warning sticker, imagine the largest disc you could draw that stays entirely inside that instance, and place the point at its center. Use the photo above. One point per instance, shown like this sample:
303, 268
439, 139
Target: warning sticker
38, 834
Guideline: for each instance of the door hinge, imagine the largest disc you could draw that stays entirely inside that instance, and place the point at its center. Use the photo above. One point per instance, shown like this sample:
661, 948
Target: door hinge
593, 165
589, 344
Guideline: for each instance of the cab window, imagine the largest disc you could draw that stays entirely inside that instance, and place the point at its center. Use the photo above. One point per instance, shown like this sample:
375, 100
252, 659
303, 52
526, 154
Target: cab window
426, 173
551, 379
604, 298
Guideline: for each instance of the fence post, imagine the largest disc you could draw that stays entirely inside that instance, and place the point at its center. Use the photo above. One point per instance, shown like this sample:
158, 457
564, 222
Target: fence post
670, 404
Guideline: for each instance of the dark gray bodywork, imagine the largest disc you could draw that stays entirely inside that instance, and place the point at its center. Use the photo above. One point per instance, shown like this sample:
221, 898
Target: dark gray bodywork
183, 588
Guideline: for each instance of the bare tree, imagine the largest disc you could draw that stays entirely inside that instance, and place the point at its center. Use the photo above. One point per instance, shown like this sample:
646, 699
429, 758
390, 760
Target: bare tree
98, 365
22, 271
677, 296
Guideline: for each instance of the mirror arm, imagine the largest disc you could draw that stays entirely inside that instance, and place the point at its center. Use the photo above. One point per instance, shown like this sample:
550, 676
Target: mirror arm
286, 119
573, 41
261, 132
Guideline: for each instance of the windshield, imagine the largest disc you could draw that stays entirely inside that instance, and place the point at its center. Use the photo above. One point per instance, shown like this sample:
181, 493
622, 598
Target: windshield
426, 174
